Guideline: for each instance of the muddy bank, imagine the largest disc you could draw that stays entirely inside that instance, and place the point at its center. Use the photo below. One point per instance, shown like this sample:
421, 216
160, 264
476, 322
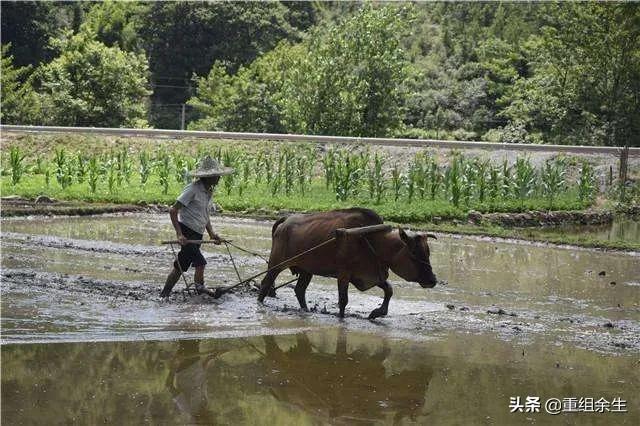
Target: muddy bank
543, 218
45, 206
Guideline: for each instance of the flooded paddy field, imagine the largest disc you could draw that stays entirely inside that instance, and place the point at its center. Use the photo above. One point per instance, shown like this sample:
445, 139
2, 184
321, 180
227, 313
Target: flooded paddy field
86, 339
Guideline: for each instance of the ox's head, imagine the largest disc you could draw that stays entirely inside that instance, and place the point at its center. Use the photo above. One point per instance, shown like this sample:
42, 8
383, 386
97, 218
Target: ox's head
412, 261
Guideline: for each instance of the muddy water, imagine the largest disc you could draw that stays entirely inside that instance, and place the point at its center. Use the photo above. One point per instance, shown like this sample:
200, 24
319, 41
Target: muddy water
331, 376
514, 319
623, 229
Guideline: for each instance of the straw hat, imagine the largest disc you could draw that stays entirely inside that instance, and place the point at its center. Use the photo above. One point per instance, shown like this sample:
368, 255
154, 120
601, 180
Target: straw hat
210, 167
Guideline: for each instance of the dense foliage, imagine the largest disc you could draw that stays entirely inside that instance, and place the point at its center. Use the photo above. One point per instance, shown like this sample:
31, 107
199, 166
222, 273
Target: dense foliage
566, 73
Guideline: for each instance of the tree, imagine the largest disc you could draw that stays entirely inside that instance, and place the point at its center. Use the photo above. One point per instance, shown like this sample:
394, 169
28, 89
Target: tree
585, 86
29, 25
352, 77
19, 101
186, 38
116, 23
345, 79
91, 84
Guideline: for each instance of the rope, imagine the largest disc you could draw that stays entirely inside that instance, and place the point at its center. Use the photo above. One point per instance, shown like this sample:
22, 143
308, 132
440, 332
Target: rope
233, 262
222, 290
245, 250
279, 265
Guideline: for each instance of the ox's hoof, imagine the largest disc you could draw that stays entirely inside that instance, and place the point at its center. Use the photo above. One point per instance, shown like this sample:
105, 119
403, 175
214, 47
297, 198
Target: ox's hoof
378, 312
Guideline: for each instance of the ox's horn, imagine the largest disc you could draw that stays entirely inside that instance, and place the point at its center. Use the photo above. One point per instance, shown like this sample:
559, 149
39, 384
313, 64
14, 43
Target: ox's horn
431, 236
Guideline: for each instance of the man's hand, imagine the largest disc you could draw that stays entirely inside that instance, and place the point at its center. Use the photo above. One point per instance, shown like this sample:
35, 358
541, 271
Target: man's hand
182, 239
216, 239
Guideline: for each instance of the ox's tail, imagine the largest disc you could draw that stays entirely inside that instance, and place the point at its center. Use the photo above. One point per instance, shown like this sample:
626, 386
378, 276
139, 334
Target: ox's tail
275, 225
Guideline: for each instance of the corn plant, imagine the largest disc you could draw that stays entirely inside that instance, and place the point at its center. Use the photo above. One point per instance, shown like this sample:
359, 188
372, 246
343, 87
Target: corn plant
586, 183
40, 165
415, 178
376, 179
552, 180
434, 177
329, 166
303, 172
47, 174
180, 167
16, 159
163, 165
481, 183
289, 171
93, 172
494, 184
190, 164
454, 181
506, 179
524, 179
112, 174
244, 164
146, 167
260, 162
60, 160
468, 180
269, 168
229, 159
275, 182
346, 176
81, 168
397, 182
125, 168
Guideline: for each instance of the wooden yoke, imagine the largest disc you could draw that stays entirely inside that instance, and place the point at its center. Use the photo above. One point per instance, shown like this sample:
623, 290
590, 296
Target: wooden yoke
364, 230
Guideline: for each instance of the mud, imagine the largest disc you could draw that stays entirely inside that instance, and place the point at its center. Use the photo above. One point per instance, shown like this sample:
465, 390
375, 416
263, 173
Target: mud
549, 293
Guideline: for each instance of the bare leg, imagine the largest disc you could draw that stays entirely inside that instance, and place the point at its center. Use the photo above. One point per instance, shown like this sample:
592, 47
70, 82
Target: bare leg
343, 297
301, 289
198, 279
382, 310
172, 279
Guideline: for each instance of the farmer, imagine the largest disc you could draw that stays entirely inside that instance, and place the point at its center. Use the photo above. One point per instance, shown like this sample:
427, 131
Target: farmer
190, 217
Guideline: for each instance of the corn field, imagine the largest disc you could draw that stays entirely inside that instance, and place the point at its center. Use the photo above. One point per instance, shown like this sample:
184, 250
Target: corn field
363, 177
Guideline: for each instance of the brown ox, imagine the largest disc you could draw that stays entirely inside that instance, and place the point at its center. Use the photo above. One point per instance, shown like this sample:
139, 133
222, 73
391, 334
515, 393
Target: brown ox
363, 260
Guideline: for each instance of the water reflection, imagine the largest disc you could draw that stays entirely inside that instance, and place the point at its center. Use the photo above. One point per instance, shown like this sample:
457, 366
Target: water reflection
187, 381
350, 386
324, 377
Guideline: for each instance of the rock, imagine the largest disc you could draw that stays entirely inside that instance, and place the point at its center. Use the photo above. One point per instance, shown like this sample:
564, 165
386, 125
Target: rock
608, 324
500, 311
602, 273
612, 283
464, 308
43, 199
450, 306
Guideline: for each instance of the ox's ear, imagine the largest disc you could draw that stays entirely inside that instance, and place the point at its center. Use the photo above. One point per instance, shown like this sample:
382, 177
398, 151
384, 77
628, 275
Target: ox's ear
431, 236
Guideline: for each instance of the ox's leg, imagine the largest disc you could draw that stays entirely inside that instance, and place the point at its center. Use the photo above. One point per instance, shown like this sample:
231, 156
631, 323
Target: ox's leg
301, 289
267, 283
343, 287
382, 310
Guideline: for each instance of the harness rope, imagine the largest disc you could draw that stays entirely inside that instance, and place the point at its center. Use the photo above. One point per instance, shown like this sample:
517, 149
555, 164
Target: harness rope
221, 290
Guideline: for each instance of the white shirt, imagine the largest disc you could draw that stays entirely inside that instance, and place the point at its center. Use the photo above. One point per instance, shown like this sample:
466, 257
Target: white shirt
196, 201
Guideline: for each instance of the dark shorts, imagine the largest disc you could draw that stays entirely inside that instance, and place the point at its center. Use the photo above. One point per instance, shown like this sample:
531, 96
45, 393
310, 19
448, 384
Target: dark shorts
190, 254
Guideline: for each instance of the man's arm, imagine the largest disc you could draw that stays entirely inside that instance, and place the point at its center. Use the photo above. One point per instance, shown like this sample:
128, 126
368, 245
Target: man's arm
215, 237
173, 214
